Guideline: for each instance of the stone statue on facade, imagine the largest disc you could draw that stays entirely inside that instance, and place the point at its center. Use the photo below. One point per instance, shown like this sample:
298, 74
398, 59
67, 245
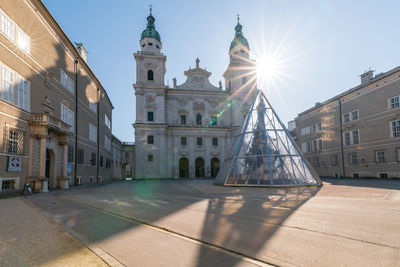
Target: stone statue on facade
174, 82
197, 63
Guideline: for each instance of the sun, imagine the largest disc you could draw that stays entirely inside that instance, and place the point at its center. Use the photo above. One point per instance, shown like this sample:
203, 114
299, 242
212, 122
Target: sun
268, 68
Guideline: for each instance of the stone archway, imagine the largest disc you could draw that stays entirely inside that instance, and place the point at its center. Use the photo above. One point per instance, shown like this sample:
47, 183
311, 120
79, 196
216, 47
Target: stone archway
214, 167
199, 167
183, 168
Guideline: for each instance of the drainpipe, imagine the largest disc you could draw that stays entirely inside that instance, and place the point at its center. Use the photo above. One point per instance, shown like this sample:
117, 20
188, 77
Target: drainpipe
341, 136
98, 134
76, 120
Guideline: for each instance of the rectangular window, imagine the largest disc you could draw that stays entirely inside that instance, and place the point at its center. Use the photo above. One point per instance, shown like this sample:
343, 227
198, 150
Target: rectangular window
7, 26
183, 119
23, 40
183, 141
354, 115
107, 121
15, 144
81, 156
346, 118
356, 139
70, 153
213, 120
150, 116
108, 163
353, 158
383, 175
150, 139
335, 160
92, 105
380, 156
394, 102
92, 133
126, 155
395, 128
319, 144
305, 130
314, 145
107, 143
101, 161
215, 141
199, 141
347, 140
150, 157
314, 128
319, 126
356, 175
93, 159
304, 147
67, 116
316, 162
7, 85
67, 82
23, 94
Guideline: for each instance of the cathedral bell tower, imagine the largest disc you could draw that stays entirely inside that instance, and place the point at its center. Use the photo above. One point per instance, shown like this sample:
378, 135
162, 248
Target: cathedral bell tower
240, 76
150, 91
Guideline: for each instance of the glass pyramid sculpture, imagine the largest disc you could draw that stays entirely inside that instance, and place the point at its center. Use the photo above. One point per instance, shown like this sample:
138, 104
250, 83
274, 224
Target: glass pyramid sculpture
265, 154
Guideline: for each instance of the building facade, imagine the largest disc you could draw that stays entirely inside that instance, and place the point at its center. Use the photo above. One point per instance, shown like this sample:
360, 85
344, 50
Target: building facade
356, 133
123, 159
187, 130
55, 116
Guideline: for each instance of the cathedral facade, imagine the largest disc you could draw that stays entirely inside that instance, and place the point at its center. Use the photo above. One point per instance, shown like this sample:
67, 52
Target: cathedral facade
187, 130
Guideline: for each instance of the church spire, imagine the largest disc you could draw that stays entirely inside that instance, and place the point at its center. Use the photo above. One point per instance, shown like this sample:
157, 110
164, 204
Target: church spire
150, 30
239, 38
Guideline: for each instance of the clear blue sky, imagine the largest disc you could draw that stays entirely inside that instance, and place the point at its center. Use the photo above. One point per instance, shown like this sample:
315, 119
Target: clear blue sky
325, 45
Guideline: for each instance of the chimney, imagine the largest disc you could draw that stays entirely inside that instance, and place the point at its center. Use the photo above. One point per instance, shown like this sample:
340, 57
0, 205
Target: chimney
366, 77
82, 51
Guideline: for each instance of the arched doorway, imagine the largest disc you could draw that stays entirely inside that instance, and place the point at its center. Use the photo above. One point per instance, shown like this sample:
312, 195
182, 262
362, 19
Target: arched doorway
183, 168
199, 167
214, 167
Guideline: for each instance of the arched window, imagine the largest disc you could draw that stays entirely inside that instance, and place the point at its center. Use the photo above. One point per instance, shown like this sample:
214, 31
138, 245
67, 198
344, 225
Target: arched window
150, 75
198, 119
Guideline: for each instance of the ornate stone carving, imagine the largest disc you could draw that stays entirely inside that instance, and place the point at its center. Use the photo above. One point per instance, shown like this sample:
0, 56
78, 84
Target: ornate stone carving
150, 99
183, 112
182, 101
199, 106
197, 82
149, 65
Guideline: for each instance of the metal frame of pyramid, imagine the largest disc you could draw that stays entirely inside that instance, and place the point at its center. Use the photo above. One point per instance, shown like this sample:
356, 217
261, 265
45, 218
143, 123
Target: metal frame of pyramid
265, 154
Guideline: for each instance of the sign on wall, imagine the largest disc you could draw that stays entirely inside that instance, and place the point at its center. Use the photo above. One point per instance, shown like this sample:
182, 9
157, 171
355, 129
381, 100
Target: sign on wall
14, 164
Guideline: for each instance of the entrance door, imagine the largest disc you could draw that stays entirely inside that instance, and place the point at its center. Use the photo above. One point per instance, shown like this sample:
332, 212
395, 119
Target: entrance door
183, 168
214, 167
200, 167
47, 169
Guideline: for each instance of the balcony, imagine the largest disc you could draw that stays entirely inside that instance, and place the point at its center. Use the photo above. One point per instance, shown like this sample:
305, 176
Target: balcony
50, 122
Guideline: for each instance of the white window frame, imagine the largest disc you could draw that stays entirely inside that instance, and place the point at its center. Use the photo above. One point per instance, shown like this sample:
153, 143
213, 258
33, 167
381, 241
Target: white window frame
24, 93
92, 132
7, 25
23, 40
15, 179
395, 104
392, 131
107, 121
67, 116
107, 143
355, 112
345, 116
378, 157
7, 81
67, 82
319, 126
92, 105
351, 158
320, 144
351, 137
305, 130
